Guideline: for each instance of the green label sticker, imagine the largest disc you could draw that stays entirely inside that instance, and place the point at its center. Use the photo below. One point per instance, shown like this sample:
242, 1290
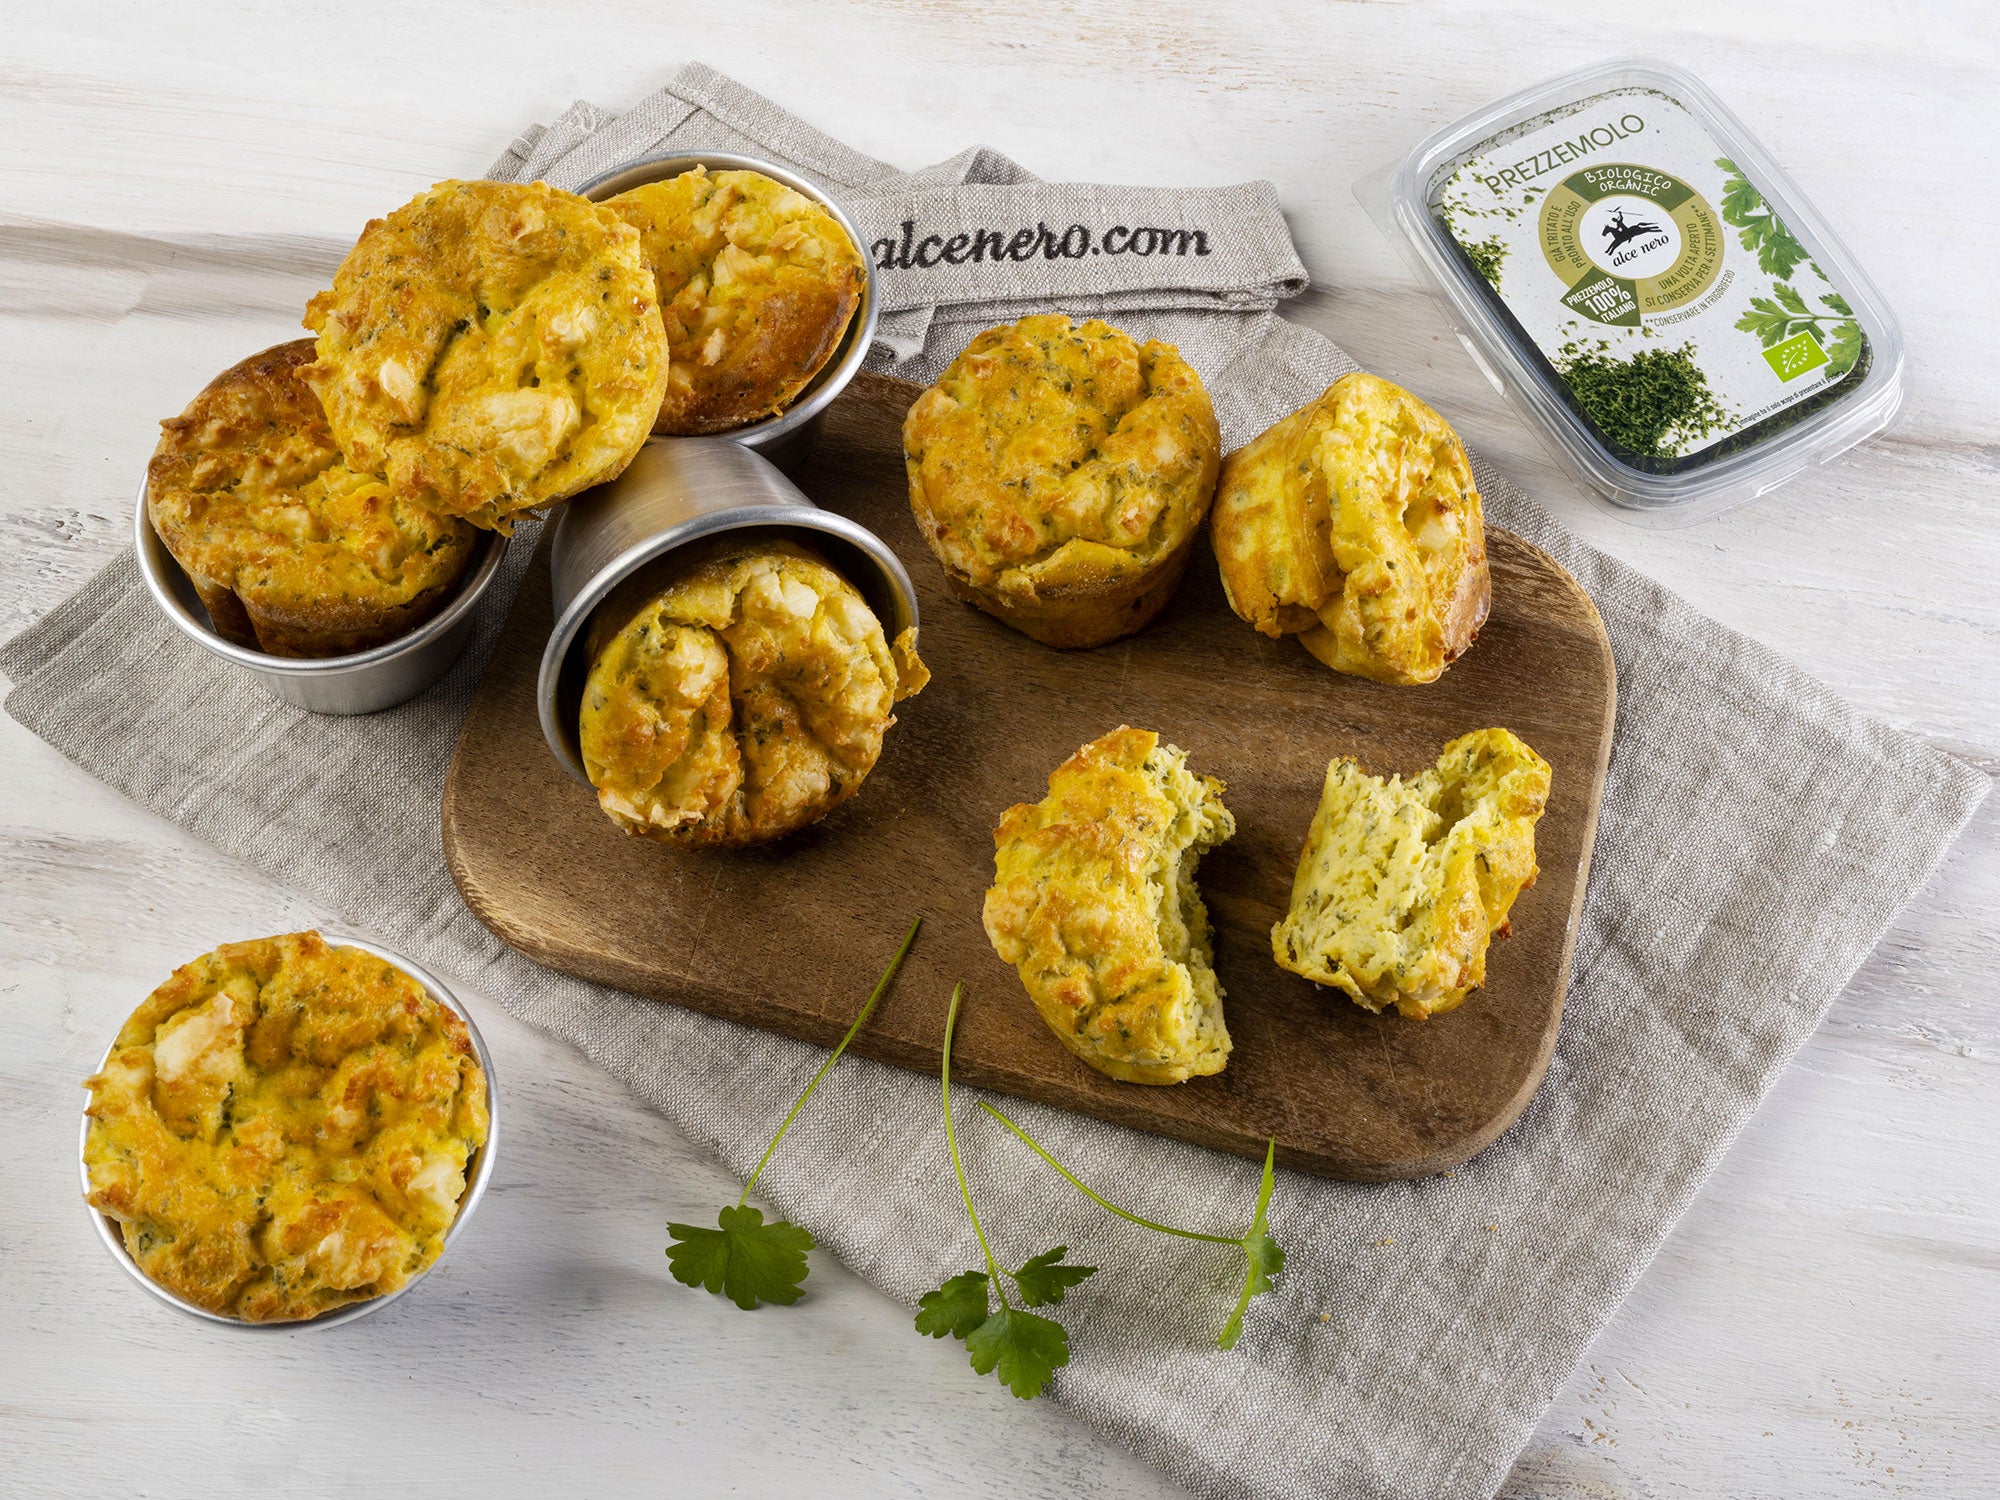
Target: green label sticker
1605, 298
1795, 356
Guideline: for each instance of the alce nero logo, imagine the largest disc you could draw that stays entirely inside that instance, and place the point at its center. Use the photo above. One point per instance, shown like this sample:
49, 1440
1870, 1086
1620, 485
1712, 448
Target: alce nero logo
1629, 241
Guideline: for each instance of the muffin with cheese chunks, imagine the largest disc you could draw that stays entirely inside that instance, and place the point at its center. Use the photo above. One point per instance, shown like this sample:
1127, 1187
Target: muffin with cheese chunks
291, 551
1402, 885
1061, 472
1354, 524
1094, 903
757, 283
490, 347
285, 1127
740, 699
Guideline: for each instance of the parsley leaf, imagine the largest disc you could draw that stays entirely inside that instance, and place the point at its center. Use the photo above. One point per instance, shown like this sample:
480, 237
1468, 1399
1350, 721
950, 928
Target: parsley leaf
956, 1308
1793, 302
1770, 322
1264, 1257
746, 1260
1778, 251
1845, 349
1044, 1279
1024, 1347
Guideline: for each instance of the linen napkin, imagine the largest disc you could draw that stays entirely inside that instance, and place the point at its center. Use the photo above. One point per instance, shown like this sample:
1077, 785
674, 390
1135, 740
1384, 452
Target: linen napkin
1757, 836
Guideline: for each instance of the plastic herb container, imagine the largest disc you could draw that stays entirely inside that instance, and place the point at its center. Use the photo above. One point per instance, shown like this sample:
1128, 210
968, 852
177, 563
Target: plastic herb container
1632, 268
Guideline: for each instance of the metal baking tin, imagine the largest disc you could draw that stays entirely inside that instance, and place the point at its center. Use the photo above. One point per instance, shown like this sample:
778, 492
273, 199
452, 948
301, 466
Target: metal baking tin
677, 491
783, 438
479, 1172
363, 683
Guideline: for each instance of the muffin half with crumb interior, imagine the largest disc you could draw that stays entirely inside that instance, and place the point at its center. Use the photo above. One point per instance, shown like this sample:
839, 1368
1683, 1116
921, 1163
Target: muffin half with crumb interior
1402, 885
291, 551
1095, 905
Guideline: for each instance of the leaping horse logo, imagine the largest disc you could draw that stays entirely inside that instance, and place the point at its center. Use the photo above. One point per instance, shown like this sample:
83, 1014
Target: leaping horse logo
1622, 233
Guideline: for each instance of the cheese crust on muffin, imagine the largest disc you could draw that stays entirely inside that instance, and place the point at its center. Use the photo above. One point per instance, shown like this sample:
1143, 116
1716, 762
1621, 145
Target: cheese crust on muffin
741, 702
291, 551
1094, 903
1355, 525
490, 347
284, 1127
757, 283
1402, 885
1060, 472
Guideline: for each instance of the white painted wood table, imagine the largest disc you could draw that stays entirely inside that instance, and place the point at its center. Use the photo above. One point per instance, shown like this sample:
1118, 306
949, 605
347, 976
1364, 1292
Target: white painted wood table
174, 183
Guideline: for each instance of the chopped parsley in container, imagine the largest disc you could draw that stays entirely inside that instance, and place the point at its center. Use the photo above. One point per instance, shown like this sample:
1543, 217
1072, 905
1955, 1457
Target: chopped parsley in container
1631, 267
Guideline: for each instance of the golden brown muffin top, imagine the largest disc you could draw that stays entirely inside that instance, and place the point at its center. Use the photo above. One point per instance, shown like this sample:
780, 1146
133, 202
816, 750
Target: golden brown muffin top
1401, 885
742, 701
1094, 903
283, 1127
757, 284
1354, 523
490, 347
252, 498
1051, 455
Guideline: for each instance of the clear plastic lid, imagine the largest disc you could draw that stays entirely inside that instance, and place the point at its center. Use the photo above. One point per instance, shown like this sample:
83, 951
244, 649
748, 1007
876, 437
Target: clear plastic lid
1631, 267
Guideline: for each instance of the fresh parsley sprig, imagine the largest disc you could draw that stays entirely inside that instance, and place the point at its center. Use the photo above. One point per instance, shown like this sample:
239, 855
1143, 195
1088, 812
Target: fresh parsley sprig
1263, 1257
1023, 1347
745, 1259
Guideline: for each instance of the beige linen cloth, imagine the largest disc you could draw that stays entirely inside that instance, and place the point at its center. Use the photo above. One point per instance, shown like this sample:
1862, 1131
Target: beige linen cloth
1757, 837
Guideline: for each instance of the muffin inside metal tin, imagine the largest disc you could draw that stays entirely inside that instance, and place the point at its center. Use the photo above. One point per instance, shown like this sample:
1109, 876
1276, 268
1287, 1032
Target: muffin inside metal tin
479, 1170
783, 436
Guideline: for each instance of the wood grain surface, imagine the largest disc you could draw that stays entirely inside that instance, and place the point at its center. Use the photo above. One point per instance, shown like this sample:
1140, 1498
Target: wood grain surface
1820, 1322
734, 932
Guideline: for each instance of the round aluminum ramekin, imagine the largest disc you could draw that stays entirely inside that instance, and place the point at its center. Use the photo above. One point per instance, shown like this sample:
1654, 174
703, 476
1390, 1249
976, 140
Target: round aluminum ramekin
783, 438
479, 1171
363, 683
681, 490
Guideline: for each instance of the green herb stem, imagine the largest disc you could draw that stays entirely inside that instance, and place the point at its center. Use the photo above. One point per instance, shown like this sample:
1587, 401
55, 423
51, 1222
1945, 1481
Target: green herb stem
1099, 1199
951, 1140
1234, 1326
881, 986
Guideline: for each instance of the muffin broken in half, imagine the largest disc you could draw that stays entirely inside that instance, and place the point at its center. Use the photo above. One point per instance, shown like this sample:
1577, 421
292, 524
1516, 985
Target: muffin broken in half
1401, 885
1094, 903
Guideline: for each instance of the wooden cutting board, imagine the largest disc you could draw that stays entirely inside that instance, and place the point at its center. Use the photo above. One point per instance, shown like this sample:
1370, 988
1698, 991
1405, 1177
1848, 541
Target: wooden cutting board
791, 937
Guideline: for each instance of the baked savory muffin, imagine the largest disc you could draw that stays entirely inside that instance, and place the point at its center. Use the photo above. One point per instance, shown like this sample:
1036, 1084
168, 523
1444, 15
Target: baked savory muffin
284, 1127
291, 551
1402, 884
1354, 525
490, 347
757, 283
1060, 473
743, 700
1094, 904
